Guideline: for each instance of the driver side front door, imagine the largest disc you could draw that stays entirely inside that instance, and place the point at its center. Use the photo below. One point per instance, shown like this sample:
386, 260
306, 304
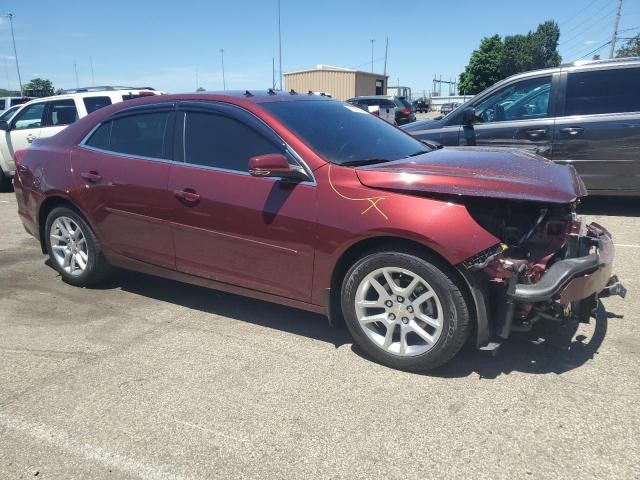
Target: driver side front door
518, 115
25, 128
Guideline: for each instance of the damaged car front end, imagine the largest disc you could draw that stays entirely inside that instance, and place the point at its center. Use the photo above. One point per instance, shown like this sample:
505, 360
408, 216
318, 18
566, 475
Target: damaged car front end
550, 265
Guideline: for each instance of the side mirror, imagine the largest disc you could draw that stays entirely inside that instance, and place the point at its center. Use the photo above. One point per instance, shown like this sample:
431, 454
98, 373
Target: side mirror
468, 116
275, 165
4, 125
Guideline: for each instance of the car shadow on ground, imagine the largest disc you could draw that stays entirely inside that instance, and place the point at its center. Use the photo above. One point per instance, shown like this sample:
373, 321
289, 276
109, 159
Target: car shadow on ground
610, 206
561, 351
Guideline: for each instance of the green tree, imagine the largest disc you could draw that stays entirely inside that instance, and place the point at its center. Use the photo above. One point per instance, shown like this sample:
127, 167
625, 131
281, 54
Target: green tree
631, 48
40, 85
200, 89
497, 59
484, 68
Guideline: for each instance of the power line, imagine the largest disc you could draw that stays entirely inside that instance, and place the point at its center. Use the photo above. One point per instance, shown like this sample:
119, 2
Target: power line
591, 17
595, 50
572, 18
589, 26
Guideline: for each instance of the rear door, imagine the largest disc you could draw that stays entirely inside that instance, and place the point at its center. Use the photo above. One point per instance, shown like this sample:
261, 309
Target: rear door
123, 170
519, 114
387, 110
598, 130
249, 231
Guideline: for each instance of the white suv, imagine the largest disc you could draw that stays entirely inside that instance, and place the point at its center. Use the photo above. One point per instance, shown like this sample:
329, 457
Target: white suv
44, 117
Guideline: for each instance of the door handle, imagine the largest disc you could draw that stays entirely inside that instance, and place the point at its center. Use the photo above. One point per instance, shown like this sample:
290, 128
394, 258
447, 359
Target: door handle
572, 130
31, 137
187, 195
91, 177
536, 132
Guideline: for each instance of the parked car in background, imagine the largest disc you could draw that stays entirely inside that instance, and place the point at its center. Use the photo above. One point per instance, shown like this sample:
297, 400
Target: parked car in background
447, 108
417, 248
421, 106
44, 117
405, 112
8, 102
585, 114
383, 107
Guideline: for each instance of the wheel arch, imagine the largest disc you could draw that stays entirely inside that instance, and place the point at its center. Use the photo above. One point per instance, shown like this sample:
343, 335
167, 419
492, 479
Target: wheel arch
363, 247
46, 207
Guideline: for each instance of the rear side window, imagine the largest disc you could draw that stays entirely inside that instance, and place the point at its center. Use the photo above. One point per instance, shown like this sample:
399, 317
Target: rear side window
137, 135
94, 103
61, 112
217, 141
603, 91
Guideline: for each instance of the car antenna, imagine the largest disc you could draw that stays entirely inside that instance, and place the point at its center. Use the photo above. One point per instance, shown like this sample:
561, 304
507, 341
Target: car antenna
293, 92
247, 93
272, 91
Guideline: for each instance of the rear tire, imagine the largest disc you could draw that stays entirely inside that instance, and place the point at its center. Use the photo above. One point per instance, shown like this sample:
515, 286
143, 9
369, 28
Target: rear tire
418, 323
74, 249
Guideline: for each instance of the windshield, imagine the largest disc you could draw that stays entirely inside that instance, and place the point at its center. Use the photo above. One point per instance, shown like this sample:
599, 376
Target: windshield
7, 114
345, 134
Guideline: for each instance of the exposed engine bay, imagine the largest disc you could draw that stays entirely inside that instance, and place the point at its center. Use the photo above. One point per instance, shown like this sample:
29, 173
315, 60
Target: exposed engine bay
549, 265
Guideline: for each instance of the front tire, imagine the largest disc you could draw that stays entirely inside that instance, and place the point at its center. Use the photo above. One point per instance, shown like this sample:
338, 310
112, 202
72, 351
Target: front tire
74, 249
405, 311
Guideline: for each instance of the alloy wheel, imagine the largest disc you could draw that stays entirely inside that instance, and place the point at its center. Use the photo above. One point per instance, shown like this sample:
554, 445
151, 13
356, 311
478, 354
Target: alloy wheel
69, 246
399, 311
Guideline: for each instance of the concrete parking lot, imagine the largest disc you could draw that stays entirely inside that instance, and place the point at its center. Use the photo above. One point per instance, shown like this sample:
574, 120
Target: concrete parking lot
148, 378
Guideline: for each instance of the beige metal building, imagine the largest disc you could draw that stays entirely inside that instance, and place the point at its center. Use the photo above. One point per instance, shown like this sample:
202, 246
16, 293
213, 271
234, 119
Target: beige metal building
341, 83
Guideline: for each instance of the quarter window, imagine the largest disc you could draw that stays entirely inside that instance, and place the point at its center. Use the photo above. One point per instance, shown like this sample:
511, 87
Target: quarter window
95, 103
138, 135
61, 112
603, 91
217, 141
524, 100
29, 117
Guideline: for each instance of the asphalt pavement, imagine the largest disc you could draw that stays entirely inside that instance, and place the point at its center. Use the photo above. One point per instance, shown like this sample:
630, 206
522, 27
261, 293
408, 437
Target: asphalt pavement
148, 378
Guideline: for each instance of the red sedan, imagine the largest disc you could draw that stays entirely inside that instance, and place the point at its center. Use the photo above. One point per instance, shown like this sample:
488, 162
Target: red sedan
313, 203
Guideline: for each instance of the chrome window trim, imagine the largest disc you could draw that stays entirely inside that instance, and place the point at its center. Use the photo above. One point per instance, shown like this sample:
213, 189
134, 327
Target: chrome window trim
190, 165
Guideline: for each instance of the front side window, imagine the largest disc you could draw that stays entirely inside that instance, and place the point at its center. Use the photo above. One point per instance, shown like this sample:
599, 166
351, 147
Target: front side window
140, 134
218, 141
29, 117
95, 103
603, 91
343, 133
524, 100
61, 112
19, 101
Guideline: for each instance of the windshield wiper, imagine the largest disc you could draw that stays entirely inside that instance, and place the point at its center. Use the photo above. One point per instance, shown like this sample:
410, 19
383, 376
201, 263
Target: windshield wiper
417, 153
366, 161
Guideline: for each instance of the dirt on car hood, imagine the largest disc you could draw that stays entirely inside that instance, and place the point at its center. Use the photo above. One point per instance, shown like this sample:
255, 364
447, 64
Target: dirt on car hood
478, 172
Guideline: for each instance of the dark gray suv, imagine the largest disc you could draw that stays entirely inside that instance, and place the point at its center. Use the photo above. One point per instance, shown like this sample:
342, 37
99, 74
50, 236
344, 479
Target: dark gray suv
586, 114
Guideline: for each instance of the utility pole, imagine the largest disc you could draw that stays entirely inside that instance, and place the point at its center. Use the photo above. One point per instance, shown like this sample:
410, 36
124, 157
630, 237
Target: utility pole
93, 77
197, 82
75, 67
372, 42
615, 30
386, 51
224, 83
279, 48
273, 66
15, 52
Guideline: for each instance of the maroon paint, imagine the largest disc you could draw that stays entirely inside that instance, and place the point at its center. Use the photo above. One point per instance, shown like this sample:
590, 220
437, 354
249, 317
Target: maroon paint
260, 236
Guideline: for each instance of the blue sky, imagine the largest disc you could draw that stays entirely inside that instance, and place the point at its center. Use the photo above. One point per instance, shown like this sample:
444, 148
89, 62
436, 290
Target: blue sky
164, 43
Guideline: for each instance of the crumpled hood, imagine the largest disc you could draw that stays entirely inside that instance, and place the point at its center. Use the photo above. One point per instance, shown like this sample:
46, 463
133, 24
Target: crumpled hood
478, 172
